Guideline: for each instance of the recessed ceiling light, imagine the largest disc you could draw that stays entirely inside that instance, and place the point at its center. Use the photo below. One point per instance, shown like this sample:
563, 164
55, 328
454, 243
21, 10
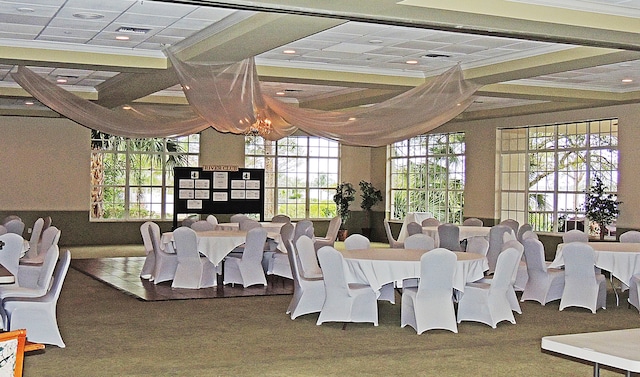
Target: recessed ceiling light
411, 62
126, 107
61, 80
88, 15
122, 38
627, 80
28, 103
280, 93
289, 51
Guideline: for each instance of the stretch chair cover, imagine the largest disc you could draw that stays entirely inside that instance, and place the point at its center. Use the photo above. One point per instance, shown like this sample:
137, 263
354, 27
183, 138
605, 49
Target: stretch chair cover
29, 268
582, 286
496, 239
419, 242
575, 235
413, 228
193, 271
478, 245
308, 294
150, 259
3, 230
431, 221
15, 226
332, 233
357, 242
202, 226
43, 280
634, 291
522, 230
393, 243
631, 236
281, 219
10, 253
279, 264
35, 238
213, 221
38, 314
309, 267
489, 303
544, 284
344, 302
166, 263
237, 218
473, 221
430, 305
513, 224
519, 278
247, 270
449, 237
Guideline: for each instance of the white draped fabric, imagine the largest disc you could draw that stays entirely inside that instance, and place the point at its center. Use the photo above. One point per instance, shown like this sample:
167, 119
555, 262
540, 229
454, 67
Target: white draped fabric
227, 97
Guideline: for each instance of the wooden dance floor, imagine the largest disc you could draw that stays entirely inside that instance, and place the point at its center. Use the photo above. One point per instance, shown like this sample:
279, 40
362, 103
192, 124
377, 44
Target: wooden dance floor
123, 274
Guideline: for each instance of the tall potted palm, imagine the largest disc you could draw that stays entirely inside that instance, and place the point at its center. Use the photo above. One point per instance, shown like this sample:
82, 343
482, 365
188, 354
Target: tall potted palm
345, 194
600, 207
370, 197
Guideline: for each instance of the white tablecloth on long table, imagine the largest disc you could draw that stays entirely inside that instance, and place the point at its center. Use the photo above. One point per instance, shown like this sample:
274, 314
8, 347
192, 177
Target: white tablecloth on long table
378, 267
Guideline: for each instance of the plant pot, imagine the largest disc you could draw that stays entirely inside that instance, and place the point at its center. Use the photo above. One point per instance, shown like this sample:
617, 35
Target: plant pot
342, 234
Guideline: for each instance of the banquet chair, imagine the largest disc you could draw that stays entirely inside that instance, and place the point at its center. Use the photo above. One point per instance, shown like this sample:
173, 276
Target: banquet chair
38, 314
478, 245
357, 242
188, 221
29, 268
3, 230
344, 302
237, 218
393, 243
430, 304
9, 218
332, 233
303, 228
511, 223
575, 235
413, 228
12, 344
43, 280
496, 239
281, 219
166, 263
213, 221
518, 281
309, 266
36, 232
431, 221
473, 221
583, 287
15, 226
308, 293
248, 224
489, 303
247, 270
634, 291
522, 230
630, 236
11, 248
544, 284
449, 236
202, 226
420, 242
279, 264
150, 260
194, 271
529, 234
245, 224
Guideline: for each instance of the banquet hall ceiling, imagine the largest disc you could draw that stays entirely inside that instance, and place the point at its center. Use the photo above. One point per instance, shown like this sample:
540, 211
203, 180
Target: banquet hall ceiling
530, 56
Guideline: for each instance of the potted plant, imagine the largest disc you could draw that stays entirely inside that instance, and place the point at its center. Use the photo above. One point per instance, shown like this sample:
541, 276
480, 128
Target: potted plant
370, 197
600, 207
345, 194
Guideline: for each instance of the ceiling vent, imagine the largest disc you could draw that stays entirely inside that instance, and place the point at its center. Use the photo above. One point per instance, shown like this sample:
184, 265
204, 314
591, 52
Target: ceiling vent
133, 30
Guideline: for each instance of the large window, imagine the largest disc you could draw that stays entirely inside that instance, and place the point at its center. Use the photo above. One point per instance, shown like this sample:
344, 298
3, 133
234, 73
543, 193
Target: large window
301, 174
427, 174
132, 179
546, 170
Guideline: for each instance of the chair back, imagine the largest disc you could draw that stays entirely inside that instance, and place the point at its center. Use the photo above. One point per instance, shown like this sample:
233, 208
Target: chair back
522, 230
332, 265
630, 236
529, 234
449, 235
47, 223
51, 236
419, 242
3, 230
301, 229
575, 235
12, 345
188, 221
506, 268
213, 220
473, 221
286, 232
431, 221
15, 226
254, 245
511, 223
357, 242
186, 242
248, 224
146, 236
281, 219
534, 255
202, 226
48, 266
478, 245
334, 227
9, 218
12, 246
414, 228
58, 278
514, 244
496, 239
237, 218
579, 262
308, 259
154, 235
36, 233
437, 268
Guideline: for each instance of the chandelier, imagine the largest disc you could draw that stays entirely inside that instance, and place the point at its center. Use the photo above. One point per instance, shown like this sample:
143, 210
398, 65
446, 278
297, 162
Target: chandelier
261, 127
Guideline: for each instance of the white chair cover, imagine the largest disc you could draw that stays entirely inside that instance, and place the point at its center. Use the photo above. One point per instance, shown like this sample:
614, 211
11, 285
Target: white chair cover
520, 276
478, 245
302, 228
634, 291
38, 314
420, 242
248, 224
449, 237
309, 267
213, 220
281, 219
9, 218
496, 239
631, 236
15, 226
10, 253
202, 226
431, 221
413, 228
522, 230
529, 234
544, 284
193, 271
344, 302
166, 263
150, 259
3, 230
393, 243
357, 242
237, 218
29, 269
511, 223
42, 283
279, 263
36, 233
248, 269
582, 286
489, 303
575, 235
430, 305
473, 221
308, 294
332, 233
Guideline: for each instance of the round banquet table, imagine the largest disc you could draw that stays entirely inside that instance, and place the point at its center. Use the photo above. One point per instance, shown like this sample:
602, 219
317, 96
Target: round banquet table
378, 267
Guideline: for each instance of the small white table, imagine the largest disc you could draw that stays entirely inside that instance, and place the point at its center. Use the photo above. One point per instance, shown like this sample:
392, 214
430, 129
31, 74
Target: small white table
618, 348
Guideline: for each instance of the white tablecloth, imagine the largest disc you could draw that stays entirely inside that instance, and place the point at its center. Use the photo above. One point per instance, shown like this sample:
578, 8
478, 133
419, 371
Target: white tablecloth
217, 244
621, 259
465, 232
378, 267
417, 217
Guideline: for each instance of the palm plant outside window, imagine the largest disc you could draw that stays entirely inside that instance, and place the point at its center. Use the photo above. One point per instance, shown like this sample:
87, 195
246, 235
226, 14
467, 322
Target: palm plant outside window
301, 174
427, 173
546, 170
132, 179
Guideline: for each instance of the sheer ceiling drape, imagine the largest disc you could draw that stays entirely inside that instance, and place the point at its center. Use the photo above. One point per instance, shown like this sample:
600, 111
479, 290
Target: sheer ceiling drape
228, 98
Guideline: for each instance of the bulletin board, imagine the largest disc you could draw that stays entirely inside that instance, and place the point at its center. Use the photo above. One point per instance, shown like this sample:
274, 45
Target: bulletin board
201, 191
